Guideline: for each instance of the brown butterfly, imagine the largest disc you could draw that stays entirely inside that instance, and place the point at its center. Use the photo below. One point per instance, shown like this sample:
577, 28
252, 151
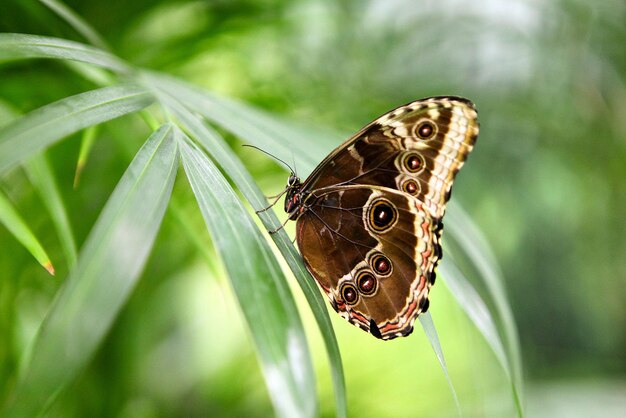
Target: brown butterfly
369, 216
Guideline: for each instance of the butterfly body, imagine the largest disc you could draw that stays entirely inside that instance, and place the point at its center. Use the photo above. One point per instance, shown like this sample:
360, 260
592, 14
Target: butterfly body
368, 219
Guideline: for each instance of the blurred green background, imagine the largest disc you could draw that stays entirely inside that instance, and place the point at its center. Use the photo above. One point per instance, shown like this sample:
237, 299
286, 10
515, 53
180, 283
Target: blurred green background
546, 183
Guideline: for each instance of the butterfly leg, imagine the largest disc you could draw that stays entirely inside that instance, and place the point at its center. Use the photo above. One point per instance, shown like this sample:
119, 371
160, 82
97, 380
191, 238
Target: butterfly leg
278, 196
279, 228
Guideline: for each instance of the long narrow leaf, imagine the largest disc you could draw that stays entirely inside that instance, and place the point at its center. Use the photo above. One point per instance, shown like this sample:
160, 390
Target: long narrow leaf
107, 270
259, 285
220, 152
16, 224
86, 144
476, 309
281, 137
76, 22
14, 46
42, 127
20, 230
428, 325
42, 177
467, 234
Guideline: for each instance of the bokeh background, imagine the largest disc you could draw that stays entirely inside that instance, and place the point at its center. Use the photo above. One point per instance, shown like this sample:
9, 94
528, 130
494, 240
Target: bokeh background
546, 184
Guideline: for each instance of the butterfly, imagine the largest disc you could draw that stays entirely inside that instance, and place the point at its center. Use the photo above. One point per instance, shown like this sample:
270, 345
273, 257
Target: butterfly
369, 217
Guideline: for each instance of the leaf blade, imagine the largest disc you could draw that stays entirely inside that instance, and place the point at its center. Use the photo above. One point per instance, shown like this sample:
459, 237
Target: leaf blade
107, 269
76, 22
42, 177
470, 240
265, 302
266, 131
86, 143
20, 230
48, 124
470, 301
428, 325
17, 46
220, 152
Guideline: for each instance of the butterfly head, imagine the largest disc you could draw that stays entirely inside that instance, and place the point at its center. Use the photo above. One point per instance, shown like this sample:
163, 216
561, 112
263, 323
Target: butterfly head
293, 200
293, 180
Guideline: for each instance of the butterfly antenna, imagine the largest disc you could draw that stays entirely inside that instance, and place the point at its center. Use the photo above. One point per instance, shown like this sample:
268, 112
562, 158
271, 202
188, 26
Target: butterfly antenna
271, 155
293, 158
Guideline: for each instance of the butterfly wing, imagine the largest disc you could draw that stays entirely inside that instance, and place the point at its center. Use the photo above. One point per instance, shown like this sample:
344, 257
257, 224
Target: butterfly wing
370, 226
373, 251
417, 148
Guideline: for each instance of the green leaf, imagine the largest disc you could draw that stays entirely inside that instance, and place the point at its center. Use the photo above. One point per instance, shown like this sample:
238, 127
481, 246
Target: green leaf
42, 127
281, 137
476, 309
235, 170
86, 144
467, 235
76, 22
474, 245
14, 46
260, 286
108, 268
41, 175
20, 230
428, 325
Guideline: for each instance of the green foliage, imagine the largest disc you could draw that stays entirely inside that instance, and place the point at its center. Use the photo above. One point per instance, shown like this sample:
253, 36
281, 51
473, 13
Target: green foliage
108, 267
119, 331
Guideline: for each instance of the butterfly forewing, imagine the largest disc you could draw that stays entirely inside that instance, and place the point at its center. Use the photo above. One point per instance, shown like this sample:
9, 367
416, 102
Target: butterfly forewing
370, 214
380, 153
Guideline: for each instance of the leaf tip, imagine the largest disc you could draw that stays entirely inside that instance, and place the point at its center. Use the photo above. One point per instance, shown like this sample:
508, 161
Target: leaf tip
48, 266
77, 174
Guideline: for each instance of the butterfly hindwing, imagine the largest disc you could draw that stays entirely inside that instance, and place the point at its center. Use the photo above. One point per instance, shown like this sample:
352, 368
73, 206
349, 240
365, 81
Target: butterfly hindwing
386, 263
